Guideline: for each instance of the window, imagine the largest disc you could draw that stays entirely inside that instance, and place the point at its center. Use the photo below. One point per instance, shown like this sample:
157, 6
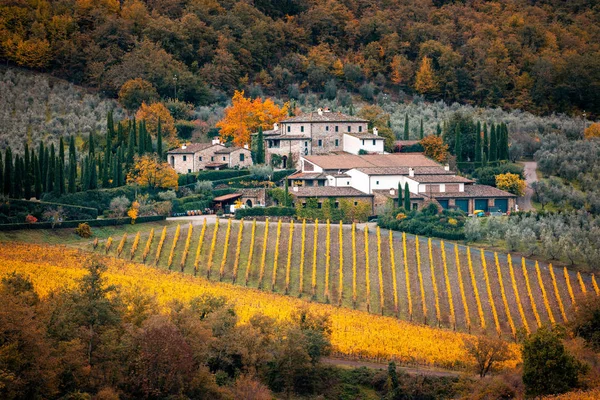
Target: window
363, 142
336, 204
373, 142
356, 203
223, 158
305, 144
337, 142
337, 128
212, 158
377, 182
289, 128
242, 157
319, 205
327, 128
347, 182
302, 128
189, 170
349, 128
304, 205
184, 158
200, 158
415, 206
320, 143
360, 128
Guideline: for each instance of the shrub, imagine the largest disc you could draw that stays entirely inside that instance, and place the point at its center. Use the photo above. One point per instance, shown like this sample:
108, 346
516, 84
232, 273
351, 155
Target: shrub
203, 186
30, 219
487, 175
265, 211
167, 195
84, 230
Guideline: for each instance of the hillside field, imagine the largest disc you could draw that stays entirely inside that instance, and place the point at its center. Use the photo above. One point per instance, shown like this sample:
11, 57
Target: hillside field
455, 288
354, 334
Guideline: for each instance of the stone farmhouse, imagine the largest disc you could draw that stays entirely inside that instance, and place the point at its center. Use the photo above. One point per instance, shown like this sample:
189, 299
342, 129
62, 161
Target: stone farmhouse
375, 178
316, 133
195, 157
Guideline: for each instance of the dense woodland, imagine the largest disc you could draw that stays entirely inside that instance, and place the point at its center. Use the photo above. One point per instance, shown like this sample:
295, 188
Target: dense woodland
542, 56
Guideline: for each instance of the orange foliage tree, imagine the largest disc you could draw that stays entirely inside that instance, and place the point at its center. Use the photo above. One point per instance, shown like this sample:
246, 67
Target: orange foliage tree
592, 131
151, 114
435, 148
425, 80
148, 171
135, 92
245, 116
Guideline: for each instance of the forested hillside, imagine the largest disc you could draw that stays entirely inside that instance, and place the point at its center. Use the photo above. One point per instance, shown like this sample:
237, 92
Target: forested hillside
542, 56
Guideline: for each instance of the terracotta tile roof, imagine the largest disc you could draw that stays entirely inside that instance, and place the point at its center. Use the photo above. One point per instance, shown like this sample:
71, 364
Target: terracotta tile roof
348, 161
328, 191
405, 142
226, 197
475, 191
324, 117
307, 175
290, 137
440, 179
228, 150
386, 193
215, 164
404, 171
191, 148
364, 135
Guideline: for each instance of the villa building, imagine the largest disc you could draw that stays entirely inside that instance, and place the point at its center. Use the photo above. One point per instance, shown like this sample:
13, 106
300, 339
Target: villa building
195, 157
318, 133
378, 177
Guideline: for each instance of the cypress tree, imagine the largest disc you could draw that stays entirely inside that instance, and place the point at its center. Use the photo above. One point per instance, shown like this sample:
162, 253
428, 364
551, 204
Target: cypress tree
85, 176
115, 172
61, 164
106, 169
131, 148
421, 132
37, 177
148, 140
18, 179
458, 144
43, 161
120, 173
159, 147
120, 138
27, 176
93, 171
92, 146
406, 197
504, 141
260, 146
493, 144
110, 128
438, 130
399, 195
142, 140
478, 144
8, 173
72, 166
405, 127
56, 187
51, 170
486, 144
135, 137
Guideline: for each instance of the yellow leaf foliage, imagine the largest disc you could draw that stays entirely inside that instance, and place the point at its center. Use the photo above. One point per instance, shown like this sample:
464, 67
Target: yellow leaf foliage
511, 183
148, 171
151, 114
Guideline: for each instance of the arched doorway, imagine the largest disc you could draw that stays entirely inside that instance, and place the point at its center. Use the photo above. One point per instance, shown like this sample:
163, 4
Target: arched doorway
249, 203
284, 162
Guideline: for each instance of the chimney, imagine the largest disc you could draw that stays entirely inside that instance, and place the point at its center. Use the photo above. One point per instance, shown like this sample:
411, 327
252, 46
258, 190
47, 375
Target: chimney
393, 192
320, 111
216, 141
326, 109
375, 131
183, 146
447, 167
275, 126
246, 146
411, 172
295, 189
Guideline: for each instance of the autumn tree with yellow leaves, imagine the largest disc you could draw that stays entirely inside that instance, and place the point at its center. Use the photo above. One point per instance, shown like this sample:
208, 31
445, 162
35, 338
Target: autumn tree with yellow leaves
512, 183
154, 112
425, 81
148, 171
245, 116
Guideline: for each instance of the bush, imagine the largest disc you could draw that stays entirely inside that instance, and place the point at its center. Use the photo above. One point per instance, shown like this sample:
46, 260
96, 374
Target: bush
168, 195
428, 222
75, 224
16, 211
99, 199
84, 230
487, 175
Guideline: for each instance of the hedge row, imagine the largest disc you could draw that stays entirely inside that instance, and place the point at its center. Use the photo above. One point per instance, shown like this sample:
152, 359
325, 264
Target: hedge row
74, 224
265, 212
188, 179
21, 208
99, 198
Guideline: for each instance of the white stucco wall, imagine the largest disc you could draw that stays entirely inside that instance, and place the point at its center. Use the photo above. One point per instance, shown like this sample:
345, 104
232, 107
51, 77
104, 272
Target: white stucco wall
353, 145
359, 180
305, 162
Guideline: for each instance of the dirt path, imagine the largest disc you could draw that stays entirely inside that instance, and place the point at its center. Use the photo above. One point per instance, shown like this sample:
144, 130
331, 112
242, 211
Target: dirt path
530, 177
410, 371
